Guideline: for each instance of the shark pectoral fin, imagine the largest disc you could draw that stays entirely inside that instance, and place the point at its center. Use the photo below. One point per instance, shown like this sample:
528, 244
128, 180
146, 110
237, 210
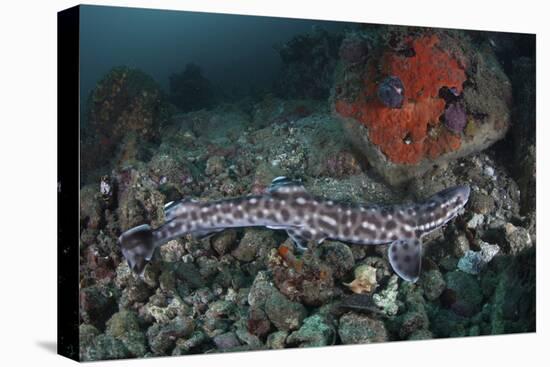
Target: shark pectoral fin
406, 258
300, 243
277, 227
200, 235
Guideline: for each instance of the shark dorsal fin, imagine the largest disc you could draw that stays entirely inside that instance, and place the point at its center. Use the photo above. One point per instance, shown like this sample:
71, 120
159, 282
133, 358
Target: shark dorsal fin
283, 184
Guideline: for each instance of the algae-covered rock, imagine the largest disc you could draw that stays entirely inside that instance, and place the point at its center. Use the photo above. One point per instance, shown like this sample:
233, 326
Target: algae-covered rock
97, 304
124, 326
338, 257
249, 245
463, 293
191, 344
473, 262
446, 323
246, 337
283, 313
261, 290
87, 334
433, 284
513, 307
226, 341
162, 337
276, 340
91, 206
415, 317
258, 322
139, 200
315, 332
223, 242
386, 299
307, 280
517, 239
355, 328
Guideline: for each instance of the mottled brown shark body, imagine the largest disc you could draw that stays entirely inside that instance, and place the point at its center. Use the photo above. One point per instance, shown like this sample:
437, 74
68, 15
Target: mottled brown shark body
305, 217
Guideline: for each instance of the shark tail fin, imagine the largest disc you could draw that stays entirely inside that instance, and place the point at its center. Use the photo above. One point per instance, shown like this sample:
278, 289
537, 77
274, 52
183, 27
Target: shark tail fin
138, 246
406, 258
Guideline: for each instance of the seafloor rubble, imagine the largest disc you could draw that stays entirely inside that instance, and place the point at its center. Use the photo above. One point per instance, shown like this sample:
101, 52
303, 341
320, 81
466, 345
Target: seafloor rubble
246, 289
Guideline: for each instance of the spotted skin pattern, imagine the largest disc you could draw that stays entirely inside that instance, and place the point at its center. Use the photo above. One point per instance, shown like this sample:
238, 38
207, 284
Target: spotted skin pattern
305, 217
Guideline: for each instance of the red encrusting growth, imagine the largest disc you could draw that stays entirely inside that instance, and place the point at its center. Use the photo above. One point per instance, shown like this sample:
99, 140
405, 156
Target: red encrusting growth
412, 132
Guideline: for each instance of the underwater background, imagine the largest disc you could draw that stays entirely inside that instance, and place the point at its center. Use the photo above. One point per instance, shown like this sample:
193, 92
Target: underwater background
208, 106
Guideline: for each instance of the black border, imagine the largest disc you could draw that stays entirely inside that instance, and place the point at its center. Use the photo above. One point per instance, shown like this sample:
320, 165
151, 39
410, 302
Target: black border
68, 33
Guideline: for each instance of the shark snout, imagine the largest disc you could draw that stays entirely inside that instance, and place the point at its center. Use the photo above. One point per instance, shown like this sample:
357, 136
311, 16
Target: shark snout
463, 192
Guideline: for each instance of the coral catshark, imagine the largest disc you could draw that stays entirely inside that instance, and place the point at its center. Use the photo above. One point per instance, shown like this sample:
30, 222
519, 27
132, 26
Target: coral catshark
305, 217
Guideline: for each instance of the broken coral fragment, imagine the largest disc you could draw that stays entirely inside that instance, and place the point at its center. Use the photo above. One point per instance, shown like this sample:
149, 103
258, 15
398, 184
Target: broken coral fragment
365, 280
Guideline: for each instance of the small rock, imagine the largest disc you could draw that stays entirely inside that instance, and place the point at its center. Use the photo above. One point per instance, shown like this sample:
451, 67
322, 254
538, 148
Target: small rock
247, 248
226, 341
124, 326
122, 323
136, 292
463, 294
517, 239
190, 275
221, 309
163, 313
283, 313
258, 322
489, 171
277, 339
473, 262
359, 252
306, 280
214, 166
460, 245
422, 334
386, 299
87, 334
433, 284
338, 257
162, 337
261, 290
97, 304
172, 251
186, 346
481, 203
208, 267
90, 206
412, 322
224, 241
106, 347
315, 332
357, 329
449, 263
247, 338
475, 221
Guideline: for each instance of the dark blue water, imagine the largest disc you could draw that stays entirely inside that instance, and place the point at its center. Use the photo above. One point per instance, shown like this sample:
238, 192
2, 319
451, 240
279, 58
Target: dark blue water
235, 52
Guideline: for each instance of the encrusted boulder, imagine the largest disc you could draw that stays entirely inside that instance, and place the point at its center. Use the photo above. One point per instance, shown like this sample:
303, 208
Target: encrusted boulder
125, 108
421, 98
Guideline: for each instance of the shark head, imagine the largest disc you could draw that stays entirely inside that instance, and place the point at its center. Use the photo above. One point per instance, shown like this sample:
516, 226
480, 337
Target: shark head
442, 207
138, 247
